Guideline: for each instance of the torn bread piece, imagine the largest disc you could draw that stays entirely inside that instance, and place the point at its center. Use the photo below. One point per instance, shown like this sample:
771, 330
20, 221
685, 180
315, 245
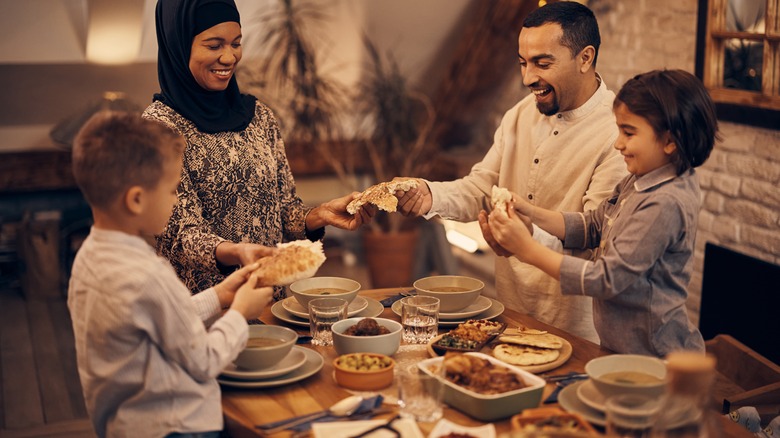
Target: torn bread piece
541, 340
291, 262
382, 195
500, 198
524, 355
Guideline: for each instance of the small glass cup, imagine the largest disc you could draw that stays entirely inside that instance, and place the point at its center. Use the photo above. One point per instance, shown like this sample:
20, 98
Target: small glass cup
323, 313
420, 318
631, 415
420, 394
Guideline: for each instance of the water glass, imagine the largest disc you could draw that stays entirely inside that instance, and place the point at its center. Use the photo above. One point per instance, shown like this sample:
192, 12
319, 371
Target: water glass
420, 318
630, 415
420, 394
323, 313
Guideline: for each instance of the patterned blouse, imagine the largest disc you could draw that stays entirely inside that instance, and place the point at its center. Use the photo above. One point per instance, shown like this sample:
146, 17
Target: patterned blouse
235, 186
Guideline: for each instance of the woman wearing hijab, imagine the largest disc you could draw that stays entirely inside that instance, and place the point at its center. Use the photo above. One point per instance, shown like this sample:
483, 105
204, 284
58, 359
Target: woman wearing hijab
237, 195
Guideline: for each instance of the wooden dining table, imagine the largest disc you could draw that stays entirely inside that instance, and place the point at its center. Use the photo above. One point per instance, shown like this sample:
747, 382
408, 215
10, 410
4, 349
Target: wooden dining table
245, 408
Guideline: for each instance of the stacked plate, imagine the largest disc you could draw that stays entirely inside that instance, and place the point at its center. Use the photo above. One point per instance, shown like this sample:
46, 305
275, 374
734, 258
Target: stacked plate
299, 364
291, 311
482, 308
585, 399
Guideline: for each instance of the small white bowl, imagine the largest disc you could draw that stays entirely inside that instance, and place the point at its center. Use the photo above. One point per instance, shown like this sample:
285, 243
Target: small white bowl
439, 286
312, 288
601, 368
386, 344
261, 357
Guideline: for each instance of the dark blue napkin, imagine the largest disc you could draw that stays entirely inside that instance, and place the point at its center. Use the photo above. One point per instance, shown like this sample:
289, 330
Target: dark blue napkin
388, 302
553, 397
366, 407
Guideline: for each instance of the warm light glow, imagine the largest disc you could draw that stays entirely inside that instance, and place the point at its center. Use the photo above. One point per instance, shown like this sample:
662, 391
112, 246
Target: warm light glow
462, 241
114, 31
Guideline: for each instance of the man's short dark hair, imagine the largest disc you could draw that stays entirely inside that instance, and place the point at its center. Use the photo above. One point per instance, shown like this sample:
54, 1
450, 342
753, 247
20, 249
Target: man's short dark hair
579, 25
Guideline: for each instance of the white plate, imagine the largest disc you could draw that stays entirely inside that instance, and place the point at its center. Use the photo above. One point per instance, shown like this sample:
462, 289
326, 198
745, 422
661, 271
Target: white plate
446, 427
569, 400
292, 305
591, 396
373, 309
496, 309
477, 307
294, 360
344, 429
312, 365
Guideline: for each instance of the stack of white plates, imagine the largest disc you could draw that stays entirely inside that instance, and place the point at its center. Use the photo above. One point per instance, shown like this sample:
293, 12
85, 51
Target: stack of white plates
299, 364
483, 308
291, 311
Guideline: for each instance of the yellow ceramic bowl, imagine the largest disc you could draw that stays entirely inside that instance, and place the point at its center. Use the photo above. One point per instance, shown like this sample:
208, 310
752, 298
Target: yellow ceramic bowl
351, 372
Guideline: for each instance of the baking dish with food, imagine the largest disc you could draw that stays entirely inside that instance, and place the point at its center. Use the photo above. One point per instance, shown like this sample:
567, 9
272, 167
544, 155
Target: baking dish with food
489, 407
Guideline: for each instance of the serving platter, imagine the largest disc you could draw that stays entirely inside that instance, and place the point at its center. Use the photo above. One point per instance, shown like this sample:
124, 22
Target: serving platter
294, 360
373, 309
292, 305
565, 354
314, 362
495, 310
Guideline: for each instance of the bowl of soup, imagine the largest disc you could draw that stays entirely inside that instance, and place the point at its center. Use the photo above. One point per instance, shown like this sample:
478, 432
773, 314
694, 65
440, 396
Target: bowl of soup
627, 374
324, 287
266, 346
455, 292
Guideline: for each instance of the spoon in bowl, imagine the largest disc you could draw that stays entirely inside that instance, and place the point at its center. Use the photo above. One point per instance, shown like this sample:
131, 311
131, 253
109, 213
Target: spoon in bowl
342, 408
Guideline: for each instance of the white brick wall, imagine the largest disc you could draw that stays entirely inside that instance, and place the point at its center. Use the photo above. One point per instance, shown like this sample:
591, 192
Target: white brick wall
741, 198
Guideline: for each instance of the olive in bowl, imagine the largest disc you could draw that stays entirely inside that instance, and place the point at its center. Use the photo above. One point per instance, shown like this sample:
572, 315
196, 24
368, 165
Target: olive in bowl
363, 371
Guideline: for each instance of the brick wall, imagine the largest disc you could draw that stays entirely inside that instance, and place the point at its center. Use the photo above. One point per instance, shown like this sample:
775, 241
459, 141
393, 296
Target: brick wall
741, 199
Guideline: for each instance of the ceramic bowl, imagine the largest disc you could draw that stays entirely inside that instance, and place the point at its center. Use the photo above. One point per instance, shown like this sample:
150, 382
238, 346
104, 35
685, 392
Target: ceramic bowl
361, 378
277, 341
490, 407
455, 292
324, 287
386, 344
602, 372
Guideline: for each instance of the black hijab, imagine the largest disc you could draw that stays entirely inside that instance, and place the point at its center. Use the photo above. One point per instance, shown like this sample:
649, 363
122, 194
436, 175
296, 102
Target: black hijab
178, 22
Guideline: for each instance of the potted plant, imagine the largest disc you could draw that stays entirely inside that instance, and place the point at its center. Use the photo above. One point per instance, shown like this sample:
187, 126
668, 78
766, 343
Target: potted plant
393, 123
395, 126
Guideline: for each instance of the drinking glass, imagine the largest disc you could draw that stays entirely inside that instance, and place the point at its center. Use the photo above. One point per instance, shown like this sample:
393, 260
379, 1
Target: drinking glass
420, 394
631, 415
323, 313
420, 318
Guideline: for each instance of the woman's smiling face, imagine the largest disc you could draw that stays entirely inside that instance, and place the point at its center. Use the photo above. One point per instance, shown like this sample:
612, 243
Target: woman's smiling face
215, 54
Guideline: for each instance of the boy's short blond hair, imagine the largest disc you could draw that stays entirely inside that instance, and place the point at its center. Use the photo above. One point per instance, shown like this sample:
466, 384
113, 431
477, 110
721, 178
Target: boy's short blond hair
114, 151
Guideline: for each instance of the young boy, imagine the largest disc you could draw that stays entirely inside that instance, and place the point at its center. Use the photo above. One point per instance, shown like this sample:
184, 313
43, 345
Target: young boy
643, 234
147, 362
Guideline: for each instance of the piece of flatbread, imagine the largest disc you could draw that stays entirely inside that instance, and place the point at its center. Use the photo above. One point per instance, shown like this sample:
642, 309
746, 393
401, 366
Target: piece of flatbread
291, 262
524, 355
500, 198
541, 340
382, 195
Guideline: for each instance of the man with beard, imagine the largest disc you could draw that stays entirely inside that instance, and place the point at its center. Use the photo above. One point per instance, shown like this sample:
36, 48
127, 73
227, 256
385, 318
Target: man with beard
553, 148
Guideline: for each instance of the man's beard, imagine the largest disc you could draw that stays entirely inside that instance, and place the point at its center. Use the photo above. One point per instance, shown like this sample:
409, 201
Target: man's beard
548, 109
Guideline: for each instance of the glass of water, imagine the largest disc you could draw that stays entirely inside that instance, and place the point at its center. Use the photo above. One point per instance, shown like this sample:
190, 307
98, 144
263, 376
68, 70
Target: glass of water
323, 313
420, 318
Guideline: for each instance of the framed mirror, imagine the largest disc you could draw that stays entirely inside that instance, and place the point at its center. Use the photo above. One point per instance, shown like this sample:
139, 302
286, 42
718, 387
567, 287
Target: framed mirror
738, 59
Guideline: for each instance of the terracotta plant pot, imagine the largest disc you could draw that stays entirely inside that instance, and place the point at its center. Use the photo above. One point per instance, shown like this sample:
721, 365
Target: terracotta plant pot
390, 257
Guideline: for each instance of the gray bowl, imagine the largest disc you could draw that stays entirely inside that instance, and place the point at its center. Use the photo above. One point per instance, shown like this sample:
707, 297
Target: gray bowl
258, 358
381, 344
